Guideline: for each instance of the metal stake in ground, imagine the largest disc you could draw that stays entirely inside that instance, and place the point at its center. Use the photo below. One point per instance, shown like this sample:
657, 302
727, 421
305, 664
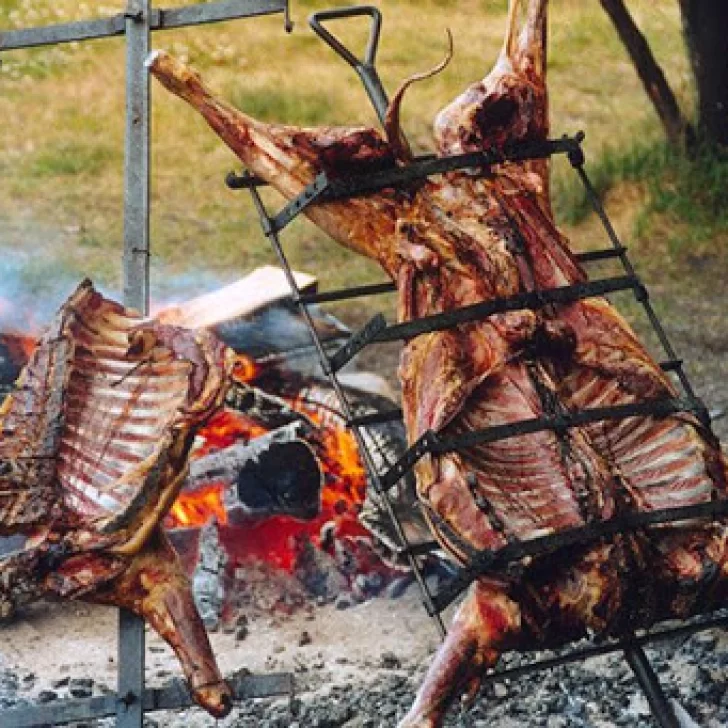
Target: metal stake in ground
130, 681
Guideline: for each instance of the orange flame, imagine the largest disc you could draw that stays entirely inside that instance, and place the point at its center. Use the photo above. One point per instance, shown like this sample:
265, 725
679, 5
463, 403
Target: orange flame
198, 507
274, 539
244, 368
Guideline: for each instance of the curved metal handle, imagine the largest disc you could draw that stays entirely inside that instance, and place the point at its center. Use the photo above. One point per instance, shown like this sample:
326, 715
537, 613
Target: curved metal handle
363, 66
315, 21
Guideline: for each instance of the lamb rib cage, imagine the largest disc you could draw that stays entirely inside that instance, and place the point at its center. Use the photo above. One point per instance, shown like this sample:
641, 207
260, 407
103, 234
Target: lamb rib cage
136, 21
377, 330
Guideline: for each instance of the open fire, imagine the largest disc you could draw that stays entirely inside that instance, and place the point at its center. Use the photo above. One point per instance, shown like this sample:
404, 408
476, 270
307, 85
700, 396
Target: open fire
276, 538
276, 482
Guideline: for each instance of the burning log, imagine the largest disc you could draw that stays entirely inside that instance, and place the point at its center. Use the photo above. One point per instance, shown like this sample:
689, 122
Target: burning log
95, 440
298, 486
486, 235
275, 474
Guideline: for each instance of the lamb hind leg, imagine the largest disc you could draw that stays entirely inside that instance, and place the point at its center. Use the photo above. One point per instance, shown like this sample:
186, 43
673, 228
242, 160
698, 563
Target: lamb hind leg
484, 621
155, 587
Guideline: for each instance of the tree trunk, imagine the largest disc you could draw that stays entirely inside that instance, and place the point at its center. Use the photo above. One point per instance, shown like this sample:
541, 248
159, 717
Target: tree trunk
705, 23
650, 73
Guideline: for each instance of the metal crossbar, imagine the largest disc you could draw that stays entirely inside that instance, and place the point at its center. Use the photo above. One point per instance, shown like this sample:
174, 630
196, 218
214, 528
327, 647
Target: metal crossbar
137, 22
153, 19
171, 697
377, 330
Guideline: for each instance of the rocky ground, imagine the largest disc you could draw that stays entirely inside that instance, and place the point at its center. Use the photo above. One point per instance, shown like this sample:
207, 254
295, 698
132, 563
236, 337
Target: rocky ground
358, 667
355, 668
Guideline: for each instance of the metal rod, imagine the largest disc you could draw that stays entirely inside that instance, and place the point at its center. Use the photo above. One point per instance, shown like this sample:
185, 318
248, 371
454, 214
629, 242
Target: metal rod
428, 166
597, 650
424, 166
374, 476
376, 329
530, 300
492, 562
215, 12
372, 289
171, 697
647, 679
136, 158
130, 680
365, 67
641, 296
209, 12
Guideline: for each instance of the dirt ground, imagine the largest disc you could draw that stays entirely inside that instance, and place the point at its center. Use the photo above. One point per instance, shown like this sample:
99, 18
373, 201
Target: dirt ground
321, 645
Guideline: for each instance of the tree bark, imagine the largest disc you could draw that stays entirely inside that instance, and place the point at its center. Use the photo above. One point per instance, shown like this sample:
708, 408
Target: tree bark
649, 71
705, 23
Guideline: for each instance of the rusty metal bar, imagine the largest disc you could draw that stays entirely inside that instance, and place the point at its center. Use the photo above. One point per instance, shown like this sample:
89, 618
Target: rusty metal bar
159, 19
171, 697
647, 679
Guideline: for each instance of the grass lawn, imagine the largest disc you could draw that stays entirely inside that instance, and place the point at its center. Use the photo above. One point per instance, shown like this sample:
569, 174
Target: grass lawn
61, 141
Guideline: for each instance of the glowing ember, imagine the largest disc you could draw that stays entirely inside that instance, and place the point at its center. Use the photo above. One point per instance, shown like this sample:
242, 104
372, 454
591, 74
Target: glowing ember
197, 508
277, 539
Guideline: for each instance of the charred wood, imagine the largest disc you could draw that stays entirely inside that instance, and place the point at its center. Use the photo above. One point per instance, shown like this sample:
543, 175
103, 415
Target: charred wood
275, 474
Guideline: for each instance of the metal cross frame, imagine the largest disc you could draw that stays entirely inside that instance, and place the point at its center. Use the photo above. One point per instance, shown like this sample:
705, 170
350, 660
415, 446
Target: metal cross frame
138, 20
377, 330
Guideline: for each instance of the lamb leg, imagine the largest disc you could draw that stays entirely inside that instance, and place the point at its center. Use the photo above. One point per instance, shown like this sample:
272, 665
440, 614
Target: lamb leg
484, 621
289, 158
155, 587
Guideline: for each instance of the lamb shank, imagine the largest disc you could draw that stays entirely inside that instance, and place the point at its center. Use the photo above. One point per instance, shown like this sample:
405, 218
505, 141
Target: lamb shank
94, 449
480, 235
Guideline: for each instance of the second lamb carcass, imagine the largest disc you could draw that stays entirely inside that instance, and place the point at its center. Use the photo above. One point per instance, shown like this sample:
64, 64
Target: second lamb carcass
476, 236
94, 448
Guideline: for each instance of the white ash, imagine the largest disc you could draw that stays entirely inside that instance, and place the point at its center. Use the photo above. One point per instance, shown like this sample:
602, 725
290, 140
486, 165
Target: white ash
357, 668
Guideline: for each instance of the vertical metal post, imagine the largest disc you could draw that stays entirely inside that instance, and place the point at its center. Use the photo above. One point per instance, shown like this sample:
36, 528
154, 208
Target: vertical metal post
136, 157
130, 711
130, 678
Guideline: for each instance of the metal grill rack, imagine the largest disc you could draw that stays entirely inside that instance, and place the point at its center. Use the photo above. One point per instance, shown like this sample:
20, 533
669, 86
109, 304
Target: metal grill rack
377, 330
138, 20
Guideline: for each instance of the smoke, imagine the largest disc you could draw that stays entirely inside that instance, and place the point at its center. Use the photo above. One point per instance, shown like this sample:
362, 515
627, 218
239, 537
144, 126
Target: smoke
32, 288
36, 281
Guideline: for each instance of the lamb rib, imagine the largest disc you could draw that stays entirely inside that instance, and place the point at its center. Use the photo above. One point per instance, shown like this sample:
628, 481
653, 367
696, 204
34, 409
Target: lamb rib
95, 440
473, 236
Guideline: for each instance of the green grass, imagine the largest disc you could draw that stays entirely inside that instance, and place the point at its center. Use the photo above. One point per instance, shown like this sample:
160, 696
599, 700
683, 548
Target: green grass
685, 190
71, 158
272, 105
61, 140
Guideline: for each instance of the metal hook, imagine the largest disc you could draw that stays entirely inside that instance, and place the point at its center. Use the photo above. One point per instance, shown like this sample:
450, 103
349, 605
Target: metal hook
364, 67
287, 22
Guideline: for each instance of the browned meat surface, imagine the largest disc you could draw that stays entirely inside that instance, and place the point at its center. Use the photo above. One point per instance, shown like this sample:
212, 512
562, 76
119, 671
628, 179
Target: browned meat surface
473, 236
94, 449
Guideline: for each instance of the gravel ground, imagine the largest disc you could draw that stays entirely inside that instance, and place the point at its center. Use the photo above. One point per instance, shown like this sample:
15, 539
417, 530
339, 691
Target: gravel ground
356, 668
359, 667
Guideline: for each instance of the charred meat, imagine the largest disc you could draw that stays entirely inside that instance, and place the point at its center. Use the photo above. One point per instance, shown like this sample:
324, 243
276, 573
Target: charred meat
94, 448
480, 235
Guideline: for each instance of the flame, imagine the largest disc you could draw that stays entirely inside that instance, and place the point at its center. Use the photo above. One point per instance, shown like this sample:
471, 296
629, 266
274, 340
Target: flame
19, 346
244, 368
198, 507
277, 539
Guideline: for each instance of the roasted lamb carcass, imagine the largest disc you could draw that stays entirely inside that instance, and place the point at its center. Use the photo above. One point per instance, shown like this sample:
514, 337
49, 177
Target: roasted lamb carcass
94, 448
475, 236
